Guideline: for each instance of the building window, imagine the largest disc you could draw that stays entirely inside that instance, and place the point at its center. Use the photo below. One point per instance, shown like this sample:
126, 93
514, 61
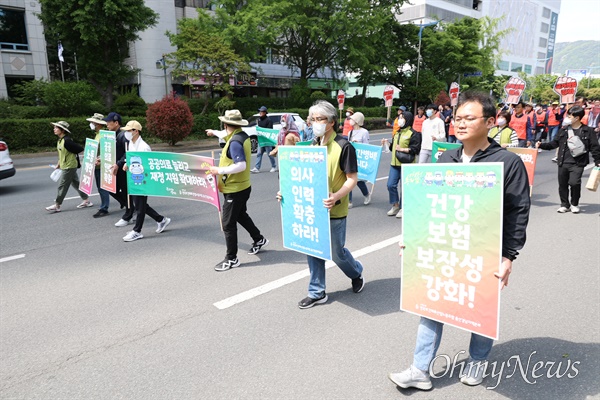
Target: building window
543, 42
503, 65
546, 13
545, 28
13, 34
541, 56
516, 67
197, 3
540, 70
527, 69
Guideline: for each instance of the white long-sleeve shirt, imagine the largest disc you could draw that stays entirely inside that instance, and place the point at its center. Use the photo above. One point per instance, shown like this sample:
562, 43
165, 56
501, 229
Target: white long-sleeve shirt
432, 128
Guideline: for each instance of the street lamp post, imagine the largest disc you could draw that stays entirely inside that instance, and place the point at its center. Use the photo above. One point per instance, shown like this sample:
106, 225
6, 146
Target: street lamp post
422, 25
162, 64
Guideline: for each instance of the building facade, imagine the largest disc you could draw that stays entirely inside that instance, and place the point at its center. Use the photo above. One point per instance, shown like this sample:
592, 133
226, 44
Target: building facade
529, 45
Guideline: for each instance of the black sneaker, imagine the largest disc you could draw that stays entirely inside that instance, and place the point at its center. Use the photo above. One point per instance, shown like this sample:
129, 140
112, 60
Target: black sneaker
227, 264
258, 245
100, 213
308, 302
358, 284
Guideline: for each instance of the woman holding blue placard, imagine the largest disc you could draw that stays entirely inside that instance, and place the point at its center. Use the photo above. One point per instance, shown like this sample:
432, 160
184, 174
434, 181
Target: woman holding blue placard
405, 147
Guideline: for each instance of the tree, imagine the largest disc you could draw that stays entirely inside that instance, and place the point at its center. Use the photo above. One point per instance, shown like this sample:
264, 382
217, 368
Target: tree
203, 55
100, 31
170, 119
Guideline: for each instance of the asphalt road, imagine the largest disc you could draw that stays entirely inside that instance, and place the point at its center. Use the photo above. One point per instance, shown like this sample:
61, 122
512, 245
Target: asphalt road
84, 315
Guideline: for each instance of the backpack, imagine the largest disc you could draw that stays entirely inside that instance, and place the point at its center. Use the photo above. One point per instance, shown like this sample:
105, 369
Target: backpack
576, 146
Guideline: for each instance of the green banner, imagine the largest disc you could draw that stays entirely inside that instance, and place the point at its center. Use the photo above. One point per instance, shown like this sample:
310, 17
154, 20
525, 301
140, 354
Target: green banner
307, 143
439, 147
266, 136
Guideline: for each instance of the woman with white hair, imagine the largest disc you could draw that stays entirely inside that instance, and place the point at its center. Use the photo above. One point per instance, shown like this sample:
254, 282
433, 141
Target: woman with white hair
358, 134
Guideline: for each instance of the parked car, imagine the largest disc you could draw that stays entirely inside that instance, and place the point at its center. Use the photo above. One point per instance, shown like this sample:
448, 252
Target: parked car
276, 118
7, 169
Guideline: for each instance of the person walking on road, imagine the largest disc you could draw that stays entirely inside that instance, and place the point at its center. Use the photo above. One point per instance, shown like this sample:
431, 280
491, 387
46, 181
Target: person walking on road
68, 163
475, 115
234, 183
570, 163
264, 122
97, 123
407, 141
433, 130
342, 170
358, 134
113, 123
133, 131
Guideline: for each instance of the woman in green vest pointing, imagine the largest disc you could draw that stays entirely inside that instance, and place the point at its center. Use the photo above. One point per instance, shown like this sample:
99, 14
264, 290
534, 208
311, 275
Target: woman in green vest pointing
233, 175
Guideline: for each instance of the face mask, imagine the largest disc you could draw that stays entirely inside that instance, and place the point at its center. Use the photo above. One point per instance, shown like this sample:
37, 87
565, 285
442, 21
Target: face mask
348, 114
429, 113
567, 121
319, 129
501, 122
128, 135
92, 126
401, 123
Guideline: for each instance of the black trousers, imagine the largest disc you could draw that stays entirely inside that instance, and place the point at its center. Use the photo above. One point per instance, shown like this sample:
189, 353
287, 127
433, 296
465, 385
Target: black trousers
569, 176
234, 212
143, 209
121, 195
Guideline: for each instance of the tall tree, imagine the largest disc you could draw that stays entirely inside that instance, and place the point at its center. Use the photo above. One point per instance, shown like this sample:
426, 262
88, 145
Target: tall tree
203, 55
100, 31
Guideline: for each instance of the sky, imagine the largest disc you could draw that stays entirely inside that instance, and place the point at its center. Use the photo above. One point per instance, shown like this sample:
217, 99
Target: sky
578, 20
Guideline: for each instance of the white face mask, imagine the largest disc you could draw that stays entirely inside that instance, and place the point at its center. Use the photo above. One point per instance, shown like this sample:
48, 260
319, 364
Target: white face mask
401, 122
567, 121
429, 113
348, 114
128, 135
319, 129
501, 122
92, 126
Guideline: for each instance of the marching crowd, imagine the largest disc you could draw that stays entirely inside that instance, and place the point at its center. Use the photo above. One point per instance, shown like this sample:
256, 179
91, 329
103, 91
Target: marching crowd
483, 129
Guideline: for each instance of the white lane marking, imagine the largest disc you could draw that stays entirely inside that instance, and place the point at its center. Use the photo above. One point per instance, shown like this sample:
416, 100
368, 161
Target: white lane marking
77, 197
12, 258
257, 291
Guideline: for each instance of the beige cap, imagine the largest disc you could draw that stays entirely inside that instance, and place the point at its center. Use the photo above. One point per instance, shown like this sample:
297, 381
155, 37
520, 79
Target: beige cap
132, 125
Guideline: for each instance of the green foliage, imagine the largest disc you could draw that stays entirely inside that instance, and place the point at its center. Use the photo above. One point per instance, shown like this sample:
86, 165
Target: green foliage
300, 94
100, 31
224, 104
131, 104
30, 93
70, 99
581, 54
170, 119
203, 54
318, 95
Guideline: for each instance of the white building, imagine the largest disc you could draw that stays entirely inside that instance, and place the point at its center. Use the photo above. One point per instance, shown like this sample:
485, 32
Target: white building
529, 46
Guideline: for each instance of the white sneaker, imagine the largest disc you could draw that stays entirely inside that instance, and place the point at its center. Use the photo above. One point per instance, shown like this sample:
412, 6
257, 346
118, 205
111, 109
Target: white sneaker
367, 199
393, 211
412, 377
54, 208
274, 169
133, 235
85, 203
562, 210
473, 372
575, 209
163, 224
122, 222
399, 214
254, 171
350, 206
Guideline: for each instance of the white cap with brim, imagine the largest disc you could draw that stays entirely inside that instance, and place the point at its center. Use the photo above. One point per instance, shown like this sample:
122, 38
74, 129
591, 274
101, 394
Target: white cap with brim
233, 117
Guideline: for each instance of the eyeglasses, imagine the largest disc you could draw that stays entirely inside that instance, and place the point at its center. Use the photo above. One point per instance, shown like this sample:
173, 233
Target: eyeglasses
469, 120
320, 119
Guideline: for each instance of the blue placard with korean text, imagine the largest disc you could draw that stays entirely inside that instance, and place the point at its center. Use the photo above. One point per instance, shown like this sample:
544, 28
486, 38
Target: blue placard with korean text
368, 157
303, 185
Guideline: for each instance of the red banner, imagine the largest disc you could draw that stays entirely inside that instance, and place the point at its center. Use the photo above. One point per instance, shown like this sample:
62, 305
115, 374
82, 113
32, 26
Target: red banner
454, 92
388, 95
566, 88
341, 97
514, 89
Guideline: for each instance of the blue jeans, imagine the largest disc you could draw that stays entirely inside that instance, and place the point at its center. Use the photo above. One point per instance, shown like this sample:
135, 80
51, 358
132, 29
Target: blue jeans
552, 131
362, 185
104, 195
429, 337
392, 184
341, 256
259, 155
453, 139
